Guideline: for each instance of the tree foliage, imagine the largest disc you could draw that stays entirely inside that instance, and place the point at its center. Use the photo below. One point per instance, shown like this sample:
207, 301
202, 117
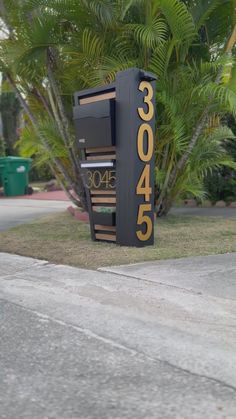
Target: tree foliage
221, 183
10, 114
2, 147
56, 47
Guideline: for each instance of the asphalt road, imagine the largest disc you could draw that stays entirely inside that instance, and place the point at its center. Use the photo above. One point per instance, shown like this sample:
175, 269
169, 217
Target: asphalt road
145, 341
20, 211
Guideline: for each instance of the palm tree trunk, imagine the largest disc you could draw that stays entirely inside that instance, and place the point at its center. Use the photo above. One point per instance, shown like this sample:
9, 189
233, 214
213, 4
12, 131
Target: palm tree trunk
82, 201
63, 126
43, 101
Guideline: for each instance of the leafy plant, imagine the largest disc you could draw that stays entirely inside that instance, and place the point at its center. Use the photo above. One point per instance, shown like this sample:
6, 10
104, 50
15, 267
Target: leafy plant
2, 148
54, 48
10, 115
221, 183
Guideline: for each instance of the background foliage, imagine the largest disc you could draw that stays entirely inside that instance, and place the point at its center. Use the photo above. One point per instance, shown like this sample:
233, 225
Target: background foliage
2, 148
10, 113
55, 47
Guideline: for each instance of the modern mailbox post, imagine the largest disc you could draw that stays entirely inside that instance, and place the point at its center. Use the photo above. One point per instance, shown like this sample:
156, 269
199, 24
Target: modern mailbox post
115, 128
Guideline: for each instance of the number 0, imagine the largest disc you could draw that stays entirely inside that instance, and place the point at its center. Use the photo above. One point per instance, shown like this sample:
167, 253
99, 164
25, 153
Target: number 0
150, 142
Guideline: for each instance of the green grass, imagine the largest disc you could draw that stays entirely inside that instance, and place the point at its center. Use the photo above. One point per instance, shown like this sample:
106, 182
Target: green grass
62, 239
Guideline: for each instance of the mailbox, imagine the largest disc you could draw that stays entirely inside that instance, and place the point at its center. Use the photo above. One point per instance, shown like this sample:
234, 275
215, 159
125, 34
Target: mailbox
95, 124
115, 133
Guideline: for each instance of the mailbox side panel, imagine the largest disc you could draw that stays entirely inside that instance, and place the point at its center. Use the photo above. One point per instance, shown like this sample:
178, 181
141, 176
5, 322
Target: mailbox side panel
133, 208
94, 115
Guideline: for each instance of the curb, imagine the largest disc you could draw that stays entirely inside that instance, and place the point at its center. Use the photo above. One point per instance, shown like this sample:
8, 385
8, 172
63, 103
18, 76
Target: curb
80, 216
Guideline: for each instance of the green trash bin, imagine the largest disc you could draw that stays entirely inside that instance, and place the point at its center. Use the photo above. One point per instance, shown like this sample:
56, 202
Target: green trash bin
14, 172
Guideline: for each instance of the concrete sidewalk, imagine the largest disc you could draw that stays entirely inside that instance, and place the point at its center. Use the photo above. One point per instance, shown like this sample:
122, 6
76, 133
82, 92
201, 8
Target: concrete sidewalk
42, 196
144, 341
20, 211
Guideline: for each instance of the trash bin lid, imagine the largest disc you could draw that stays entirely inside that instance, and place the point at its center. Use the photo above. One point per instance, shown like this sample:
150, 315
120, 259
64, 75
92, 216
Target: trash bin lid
10, 163
14, 159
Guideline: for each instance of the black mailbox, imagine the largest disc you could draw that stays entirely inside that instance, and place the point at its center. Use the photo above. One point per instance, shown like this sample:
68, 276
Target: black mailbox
115, 132
95, 124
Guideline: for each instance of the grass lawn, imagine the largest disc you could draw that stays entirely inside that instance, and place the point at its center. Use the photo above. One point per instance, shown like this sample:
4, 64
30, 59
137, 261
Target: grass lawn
62, 239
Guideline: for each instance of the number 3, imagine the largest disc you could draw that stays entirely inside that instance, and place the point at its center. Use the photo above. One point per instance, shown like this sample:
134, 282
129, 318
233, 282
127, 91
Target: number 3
148, 100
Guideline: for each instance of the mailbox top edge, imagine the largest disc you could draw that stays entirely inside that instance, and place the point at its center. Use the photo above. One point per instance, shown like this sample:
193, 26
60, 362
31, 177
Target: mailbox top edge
95, 90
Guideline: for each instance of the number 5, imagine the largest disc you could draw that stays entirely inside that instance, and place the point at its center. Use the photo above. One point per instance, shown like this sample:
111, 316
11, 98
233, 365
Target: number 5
144, 219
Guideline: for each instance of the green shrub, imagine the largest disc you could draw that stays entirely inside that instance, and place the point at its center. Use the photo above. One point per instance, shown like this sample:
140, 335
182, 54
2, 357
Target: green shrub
40, 173
2, 148
221, 184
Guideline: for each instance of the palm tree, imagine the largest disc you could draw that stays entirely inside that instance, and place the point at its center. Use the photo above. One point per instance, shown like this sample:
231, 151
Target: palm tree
57, 47
30, 62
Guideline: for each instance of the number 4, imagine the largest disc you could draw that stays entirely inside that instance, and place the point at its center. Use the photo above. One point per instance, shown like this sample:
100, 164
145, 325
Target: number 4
143, 187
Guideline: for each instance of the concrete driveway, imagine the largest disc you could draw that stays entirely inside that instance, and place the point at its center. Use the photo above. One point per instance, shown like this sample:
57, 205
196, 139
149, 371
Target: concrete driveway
146, 341
19, 211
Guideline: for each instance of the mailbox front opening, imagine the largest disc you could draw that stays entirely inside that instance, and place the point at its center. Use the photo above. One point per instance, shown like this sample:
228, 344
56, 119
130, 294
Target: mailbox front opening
95, 124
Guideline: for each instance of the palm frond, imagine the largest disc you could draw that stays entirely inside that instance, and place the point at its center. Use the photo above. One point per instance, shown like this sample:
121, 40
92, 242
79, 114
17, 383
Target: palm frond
179, 19
151, 34
160, 59
214, 93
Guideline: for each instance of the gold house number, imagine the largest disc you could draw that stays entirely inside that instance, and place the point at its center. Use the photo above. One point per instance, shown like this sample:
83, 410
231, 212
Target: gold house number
144, 187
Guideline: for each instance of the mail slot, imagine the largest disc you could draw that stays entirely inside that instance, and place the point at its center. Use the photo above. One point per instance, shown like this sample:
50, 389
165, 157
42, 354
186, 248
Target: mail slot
95, 124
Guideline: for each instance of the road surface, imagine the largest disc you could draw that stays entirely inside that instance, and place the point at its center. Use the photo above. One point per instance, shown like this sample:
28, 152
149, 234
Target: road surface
139, 342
